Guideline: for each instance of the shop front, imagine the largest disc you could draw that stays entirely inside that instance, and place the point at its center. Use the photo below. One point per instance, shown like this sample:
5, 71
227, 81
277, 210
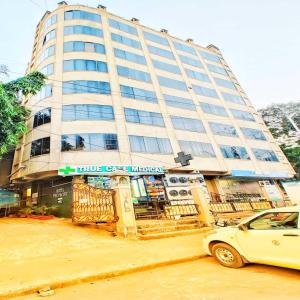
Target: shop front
252, 186
156, 194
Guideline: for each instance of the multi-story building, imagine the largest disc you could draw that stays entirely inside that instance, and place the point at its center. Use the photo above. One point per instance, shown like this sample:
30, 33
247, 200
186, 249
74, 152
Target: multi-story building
122, 94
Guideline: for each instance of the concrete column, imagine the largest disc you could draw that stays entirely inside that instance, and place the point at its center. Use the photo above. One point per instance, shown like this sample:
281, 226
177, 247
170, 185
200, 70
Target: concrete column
198, 194
126, 225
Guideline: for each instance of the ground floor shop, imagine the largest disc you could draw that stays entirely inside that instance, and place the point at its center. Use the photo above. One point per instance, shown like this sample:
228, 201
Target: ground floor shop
155, 191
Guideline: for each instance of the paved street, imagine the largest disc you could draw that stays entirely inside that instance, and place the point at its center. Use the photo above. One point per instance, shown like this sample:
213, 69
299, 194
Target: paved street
202, 280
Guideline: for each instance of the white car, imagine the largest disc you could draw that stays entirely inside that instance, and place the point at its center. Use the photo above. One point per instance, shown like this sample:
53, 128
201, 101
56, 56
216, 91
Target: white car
270, 237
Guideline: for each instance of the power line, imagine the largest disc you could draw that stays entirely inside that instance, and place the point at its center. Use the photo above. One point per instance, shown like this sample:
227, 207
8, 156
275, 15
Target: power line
36, 4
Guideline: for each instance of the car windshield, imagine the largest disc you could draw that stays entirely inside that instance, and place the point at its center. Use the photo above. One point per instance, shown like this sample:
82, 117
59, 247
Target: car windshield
277, 220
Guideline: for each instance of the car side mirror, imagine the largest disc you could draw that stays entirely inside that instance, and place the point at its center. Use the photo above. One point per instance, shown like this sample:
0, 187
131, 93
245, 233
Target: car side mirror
243, 227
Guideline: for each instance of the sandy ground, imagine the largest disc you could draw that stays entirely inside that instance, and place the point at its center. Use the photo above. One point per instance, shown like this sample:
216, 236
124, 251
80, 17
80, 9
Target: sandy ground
204, 279
37, 253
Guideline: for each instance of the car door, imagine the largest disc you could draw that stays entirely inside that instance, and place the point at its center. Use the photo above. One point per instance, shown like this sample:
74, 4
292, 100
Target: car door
272, 238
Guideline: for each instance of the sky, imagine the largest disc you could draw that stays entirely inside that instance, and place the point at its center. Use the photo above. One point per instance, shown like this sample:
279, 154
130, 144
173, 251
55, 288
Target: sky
260, 39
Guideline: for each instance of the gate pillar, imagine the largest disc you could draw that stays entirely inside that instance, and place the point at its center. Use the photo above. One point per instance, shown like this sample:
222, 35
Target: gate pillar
199, 197
126, 225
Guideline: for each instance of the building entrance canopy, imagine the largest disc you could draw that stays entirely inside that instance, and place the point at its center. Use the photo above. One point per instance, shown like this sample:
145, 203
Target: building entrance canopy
107, 170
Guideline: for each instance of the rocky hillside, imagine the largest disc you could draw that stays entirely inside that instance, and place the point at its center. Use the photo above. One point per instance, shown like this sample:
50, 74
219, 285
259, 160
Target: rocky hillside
276, 118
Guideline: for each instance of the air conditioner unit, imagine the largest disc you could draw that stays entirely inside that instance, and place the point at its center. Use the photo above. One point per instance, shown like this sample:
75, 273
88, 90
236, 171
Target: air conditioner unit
182, 179
179, 193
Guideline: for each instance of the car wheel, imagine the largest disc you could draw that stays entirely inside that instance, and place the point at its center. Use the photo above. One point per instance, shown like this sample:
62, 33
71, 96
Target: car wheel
227, 255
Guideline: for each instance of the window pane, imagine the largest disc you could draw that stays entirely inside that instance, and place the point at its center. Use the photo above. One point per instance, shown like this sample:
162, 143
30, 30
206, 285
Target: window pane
81, 112
82, 142
68, 113
160, 52
190, 61
234, 152
151, 145
172, 83
68, 143
197, 148
184, 48
203, 91
179, 102
137, 143
254, 134
46, 145
156, 38
265, 155
166, 67
223, 129
97, 142
111, 142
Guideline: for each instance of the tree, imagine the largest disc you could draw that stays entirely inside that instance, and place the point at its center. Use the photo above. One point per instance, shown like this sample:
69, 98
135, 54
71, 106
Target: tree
13, 115
293, 155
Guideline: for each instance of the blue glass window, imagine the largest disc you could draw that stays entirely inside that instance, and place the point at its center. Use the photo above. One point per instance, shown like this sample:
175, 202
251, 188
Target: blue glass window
82, 15
49, 36
150, 144
42, 117
253, 134
172, 83
184, 48
242, 115
52, 20
144, 117
197, 148
46, 91
156, 38
40, 147
87, 112
160, 52
190, 61
210, 56
216, 69
85, 65
139, 94
122, 26
203, 91
48, 70
213, 109
139, 59
187, 124
86, 86
165, 66
78, 46
133, 74
48, 52
265, 155
126, 41
180, 102
197, 75
233, 98
79, 29
89, 142
224, 83
234, 152
223, 129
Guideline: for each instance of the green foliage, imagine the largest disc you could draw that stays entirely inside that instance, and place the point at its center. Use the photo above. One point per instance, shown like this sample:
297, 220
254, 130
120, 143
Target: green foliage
37, 210
12, 114
26, 211
293, 155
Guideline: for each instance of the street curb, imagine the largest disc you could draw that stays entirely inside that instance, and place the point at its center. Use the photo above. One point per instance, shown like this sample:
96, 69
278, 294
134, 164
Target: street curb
99, 276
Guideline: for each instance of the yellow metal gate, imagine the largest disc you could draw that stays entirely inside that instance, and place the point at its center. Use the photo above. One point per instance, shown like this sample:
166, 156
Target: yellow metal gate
92, 205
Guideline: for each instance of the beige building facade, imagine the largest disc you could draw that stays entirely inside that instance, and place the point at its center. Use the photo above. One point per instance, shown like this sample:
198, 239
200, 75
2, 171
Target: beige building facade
122, 94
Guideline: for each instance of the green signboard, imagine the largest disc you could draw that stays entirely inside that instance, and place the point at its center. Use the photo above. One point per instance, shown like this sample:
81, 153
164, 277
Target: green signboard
107, 170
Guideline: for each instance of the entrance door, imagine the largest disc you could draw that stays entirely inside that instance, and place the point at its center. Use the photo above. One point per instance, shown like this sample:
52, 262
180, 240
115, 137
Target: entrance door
92, 205
272, 238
